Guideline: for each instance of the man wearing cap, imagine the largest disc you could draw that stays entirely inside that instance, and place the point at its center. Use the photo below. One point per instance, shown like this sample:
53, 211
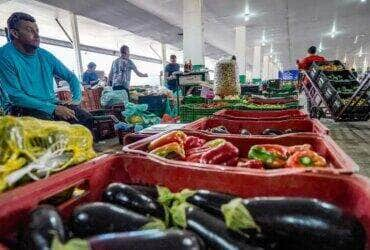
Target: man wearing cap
90, 78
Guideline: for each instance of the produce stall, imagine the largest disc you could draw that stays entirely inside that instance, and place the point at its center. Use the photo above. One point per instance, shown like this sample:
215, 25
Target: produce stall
333, 92
211, 212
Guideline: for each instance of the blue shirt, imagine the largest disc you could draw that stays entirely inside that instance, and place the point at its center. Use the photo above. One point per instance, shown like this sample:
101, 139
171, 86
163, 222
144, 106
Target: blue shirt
4, 102
88, 77
28, 79
121, 72
170, 68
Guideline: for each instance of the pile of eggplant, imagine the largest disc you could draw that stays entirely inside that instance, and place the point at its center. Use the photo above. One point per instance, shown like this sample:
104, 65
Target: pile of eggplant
268, 131
142, 217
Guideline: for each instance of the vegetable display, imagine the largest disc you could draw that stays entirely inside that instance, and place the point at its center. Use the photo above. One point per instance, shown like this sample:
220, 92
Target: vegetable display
221, 152
198, 219
226, 82
34, 149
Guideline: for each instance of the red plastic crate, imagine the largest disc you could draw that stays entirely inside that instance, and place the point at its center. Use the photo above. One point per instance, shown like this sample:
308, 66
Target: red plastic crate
339, 162
64, 95
256, 127
262, 115
349, 192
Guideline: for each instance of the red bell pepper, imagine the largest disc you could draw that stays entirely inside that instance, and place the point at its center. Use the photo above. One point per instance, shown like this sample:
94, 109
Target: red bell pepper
193, 142
168, 149
272, 156
246, 163
174, 136
231, 163
220, 154
194, 154
292, 149
278, 150
306, 158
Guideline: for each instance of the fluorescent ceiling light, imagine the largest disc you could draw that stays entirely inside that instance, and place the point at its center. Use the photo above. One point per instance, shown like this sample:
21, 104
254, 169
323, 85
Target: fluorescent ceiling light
271, 49
345, 58
356, 39
333, 30
360, 53
354, 66
247, 13
363, 1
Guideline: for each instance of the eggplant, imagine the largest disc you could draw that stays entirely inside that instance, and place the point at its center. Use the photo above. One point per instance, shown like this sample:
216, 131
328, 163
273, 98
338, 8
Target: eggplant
272, 131
210, 201
212, 230
45, 223
100, 218
130, 198
245, 132
147, 239
150, 191
220, 130
295, 223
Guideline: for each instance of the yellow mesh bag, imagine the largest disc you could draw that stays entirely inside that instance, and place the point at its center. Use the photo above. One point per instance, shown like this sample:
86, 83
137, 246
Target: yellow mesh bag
37, 148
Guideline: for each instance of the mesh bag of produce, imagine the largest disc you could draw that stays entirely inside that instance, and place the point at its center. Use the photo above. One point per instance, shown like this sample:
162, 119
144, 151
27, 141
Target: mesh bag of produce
33, 149
226, 82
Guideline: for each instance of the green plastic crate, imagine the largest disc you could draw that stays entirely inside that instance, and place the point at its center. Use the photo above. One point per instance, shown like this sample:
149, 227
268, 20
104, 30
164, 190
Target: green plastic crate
190, 113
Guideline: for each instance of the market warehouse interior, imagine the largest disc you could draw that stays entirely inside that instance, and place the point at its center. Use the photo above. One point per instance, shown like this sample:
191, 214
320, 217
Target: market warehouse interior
185, 124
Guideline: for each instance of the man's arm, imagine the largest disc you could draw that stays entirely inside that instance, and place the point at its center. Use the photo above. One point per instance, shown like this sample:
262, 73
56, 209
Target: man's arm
67, 75
137, 72
12, 86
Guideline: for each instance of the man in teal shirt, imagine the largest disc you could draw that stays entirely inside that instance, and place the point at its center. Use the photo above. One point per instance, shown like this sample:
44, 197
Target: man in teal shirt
27, 72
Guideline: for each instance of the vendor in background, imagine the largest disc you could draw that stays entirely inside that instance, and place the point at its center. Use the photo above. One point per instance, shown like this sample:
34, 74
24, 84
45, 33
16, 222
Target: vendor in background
120, 73
27, 75
89, 77
311, 57
170, 68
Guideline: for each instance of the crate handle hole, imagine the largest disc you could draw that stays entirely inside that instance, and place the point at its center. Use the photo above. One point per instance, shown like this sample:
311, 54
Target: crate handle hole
70, 193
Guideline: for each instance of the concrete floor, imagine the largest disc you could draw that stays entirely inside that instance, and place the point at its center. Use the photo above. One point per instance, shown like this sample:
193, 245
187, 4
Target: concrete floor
352, 137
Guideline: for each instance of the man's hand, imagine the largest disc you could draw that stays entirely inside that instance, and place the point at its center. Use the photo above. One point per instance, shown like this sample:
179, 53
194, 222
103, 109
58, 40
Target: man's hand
64, 113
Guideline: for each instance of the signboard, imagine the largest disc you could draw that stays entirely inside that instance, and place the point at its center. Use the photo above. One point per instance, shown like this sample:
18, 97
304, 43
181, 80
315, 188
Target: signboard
289, 75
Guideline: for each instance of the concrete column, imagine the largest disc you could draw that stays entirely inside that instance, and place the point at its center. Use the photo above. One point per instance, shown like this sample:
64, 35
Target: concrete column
193, 41
273, 71
240, 51
164, 62
76, 45
256, 72
265, 67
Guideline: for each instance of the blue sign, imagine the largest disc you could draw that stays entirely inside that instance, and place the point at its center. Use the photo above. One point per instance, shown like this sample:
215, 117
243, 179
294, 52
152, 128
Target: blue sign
289, 75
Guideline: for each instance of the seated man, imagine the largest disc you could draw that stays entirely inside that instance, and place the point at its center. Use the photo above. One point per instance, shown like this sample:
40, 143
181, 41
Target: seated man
311, 57
27, 72
5, 104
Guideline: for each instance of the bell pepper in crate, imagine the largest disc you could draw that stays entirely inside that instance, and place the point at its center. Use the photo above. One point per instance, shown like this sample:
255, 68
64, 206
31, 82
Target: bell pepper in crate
174, 136
306, 158
170, 149
220, 154
247, 163
193, 142
292, 149
272, 156
194, 154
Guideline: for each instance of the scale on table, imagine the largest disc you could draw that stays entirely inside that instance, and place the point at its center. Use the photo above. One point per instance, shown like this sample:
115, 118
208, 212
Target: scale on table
191, 83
